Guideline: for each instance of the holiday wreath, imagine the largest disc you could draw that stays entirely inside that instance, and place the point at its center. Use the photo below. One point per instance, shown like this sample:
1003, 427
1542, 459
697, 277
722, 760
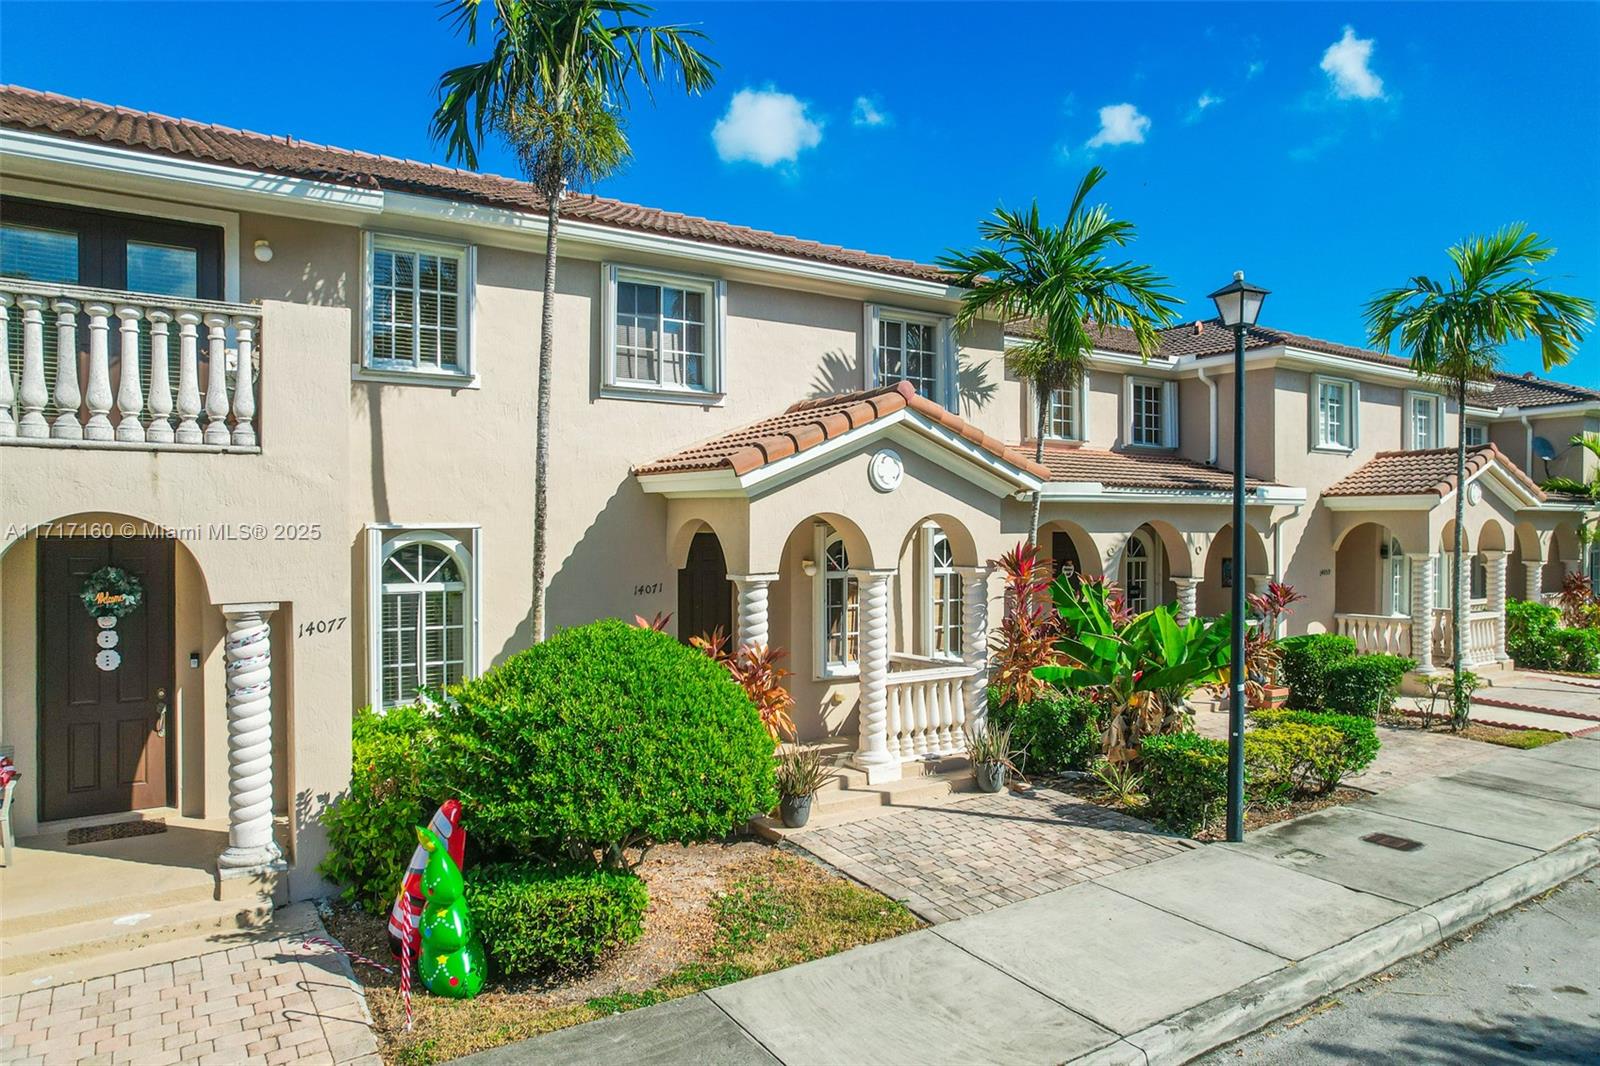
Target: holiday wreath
111, 592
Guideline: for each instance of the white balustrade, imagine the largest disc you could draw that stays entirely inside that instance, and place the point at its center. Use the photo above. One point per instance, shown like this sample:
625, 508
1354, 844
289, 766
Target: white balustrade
39, 404
1377, 633
1479, 637
928, 714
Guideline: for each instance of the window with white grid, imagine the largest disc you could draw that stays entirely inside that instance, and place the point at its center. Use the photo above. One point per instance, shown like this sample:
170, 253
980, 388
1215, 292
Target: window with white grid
1335, 414
1062, 414
424, 622
1148, 418
1424, 430
417, 306
944, 598
908, 350
841, 607
663, 333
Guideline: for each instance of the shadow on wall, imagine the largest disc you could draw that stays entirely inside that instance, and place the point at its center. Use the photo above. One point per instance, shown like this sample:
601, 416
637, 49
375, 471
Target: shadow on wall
974, 390
838, 373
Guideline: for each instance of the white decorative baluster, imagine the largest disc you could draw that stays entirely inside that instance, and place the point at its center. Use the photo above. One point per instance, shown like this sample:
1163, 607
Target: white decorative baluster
98, 397
67, 397
975, 641
872, 751
248, 656
753, 617
8, 394
34, 392
130, 391
188, 378
947, 715
891, 700
1422, 611
919, 700
217, 380
244, 394
159, 431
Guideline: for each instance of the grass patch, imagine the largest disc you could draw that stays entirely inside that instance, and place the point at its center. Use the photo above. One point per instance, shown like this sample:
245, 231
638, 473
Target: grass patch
764, 911
1513, 738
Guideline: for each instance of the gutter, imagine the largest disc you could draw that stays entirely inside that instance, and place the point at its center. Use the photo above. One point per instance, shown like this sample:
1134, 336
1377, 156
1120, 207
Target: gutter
1211, 385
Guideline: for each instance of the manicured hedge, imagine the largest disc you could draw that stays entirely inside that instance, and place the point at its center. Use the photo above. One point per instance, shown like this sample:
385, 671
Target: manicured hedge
1360, 738
1306, 662
1365, 685
1536, 639
1058, 731
553, 919
1186, 778
1287, 758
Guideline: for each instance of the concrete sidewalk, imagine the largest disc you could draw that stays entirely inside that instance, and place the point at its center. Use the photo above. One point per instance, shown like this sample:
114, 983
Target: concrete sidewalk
1155, 964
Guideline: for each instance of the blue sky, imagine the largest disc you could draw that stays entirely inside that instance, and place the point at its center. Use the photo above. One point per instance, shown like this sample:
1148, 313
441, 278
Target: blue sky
1326, 161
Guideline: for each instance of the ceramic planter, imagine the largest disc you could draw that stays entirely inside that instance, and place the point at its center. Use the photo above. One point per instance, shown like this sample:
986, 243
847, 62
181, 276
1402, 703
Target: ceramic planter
795, 811
991, 776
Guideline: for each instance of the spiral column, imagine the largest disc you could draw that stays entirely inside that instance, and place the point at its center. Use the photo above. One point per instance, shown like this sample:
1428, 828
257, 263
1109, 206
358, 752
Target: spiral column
1497, 565
1188, 599
975, 642
754, 625
872, 749
248, 656
1533, 579
1422, 611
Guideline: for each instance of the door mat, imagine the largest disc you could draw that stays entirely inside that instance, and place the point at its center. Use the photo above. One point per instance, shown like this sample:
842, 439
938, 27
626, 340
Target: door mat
94, 834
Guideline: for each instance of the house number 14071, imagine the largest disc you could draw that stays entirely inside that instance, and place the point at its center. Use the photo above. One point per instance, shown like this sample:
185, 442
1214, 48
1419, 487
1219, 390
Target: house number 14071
647, 590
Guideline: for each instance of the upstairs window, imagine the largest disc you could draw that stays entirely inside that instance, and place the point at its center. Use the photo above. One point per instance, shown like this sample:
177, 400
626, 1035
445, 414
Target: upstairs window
663, 334
418, 295
1336, 414
909, 347
1151, 415
1064, 413
1477, 434
1424, 418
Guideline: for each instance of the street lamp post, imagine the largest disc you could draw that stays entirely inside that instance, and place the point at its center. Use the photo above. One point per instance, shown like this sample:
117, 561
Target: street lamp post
1239, 305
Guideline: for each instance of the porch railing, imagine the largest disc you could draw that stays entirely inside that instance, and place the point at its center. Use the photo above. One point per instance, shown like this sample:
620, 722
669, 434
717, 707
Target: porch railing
927, 707
1377, 633
120, 369
1479, 636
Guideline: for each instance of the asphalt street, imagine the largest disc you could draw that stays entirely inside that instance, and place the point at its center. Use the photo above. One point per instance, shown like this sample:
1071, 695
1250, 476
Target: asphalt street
1523, 987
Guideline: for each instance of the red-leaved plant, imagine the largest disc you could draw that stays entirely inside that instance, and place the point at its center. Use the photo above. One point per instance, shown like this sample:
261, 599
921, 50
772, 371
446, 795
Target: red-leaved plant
1579, 604
755, 667
1262, 656
1025, 638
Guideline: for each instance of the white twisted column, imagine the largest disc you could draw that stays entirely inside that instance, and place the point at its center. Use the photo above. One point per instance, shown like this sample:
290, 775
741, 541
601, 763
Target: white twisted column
248, 653
1187, 599
872, 749
975, 641
1533, 570
1422, 611
754, 624
1496, 565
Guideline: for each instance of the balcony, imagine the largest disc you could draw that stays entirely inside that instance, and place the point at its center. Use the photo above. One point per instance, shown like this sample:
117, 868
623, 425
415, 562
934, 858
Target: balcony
64, 380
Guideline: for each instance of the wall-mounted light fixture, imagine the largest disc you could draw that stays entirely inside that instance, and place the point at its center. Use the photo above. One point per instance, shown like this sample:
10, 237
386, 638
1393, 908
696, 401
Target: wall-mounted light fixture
263, 252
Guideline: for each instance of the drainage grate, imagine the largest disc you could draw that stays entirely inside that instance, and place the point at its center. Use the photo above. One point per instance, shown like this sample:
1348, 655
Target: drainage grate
1388, 840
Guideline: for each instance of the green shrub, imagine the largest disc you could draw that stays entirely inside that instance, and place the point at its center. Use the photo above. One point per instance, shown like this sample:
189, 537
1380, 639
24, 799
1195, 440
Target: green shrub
1365, 685
1580, 649
603, 738
394, 787
1058, 731
1531, 636
544, 919
1306, 662
1288, 758
1360, 739
1186, 778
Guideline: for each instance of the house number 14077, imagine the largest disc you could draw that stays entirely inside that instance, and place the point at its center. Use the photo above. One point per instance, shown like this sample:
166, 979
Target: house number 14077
317, 628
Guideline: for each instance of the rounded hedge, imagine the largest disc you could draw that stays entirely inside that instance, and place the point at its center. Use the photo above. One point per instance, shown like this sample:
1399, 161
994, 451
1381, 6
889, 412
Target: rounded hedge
1058, 731
1305, 665
606, 737
1365, 685
553, 919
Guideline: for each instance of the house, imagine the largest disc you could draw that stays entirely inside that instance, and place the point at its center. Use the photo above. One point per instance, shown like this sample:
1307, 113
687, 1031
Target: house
317, 465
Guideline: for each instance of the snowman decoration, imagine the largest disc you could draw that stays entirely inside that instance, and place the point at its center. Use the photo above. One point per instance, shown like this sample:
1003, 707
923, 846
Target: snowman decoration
110, 594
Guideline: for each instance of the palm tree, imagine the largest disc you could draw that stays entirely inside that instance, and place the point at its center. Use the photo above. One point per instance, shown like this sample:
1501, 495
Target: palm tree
1453, 330
1058, 277
1589, 442
554, 87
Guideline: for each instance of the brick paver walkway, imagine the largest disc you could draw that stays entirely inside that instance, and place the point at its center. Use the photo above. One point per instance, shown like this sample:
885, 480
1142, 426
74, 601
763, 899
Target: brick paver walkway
270, 1002
982, 852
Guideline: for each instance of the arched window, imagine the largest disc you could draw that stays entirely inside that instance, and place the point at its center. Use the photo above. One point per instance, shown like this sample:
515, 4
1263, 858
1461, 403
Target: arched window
1397, 587
841, 607
424, 616
1137, 573
944, 598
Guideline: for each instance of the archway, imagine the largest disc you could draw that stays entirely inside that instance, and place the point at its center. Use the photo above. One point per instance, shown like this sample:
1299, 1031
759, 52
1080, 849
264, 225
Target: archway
705, 595
1142, 569
1215, 594
928, 600
1069, 549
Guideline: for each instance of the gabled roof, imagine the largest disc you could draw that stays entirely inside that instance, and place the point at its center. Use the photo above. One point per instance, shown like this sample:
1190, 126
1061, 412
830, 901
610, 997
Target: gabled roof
810, 423
1136, 470
49, 113
1428, 472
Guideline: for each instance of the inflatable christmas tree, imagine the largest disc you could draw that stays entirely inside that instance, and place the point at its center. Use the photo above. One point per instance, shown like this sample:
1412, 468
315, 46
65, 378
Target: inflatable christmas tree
450, 958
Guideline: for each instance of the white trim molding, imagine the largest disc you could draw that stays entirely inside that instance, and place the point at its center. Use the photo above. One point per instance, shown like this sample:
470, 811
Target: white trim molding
395, 371
715, 293
1352, 414
945, 358
464, 542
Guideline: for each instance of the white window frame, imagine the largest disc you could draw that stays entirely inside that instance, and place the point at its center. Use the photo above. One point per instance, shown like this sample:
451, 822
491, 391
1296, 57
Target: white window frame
824, 535
954, 622
1152, 579
944, 356
715, 291
463, 540
1079, 412
1394, 578
398, 371
1169, 411
1436, 423
1352, 409
1481, 428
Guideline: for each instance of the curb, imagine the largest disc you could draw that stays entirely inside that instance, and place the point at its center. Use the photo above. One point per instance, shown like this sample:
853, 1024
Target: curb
1253, 1006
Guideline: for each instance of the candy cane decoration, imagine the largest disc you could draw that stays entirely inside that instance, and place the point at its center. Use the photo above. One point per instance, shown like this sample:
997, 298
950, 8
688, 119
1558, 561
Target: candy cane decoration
353, 956
405, 971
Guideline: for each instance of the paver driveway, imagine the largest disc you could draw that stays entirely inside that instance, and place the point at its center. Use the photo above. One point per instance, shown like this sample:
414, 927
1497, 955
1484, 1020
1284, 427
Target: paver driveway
984, 851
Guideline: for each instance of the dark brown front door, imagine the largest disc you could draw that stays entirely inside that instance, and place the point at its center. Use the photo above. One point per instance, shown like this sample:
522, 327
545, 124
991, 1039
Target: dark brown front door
705, 599
99, 729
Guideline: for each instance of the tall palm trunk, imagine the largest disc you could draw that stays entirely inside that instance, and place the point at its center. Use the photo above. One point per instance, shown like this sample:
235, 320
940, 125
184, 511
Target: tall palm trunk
541, 432
1038, 457
1458, 708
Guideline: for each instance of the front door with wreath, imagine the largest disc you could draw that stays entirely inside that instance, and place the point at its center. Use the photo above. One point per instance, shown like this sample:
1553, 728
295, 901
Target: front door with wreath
105, 674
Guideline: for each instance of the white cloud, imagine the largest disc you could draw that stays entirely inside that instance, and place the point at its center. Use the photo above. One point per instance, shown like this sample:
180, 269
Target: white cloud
766, 127
1346, 63
1119, 124
869, 114
1256, 67
1201, 105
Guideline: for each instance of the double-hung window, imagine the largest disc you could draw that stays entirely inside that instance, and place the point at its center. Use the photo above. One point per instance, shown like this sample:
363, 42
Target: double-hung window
1424, 416
1477, 434
1063, 418
1336, 414
418, 297
944, 597
1151, 421
663, 334
911, 347
840, 603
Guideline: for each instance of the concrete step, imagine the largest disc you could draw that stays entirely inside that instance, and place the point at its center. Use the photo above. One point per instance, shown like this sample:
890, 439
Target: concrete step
849, 797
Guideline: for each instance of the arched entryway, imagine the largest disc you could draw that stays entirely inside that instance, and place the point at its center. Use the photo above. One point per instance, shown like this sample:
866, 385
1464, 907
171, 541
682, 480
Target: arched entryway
1215, 595
705, 595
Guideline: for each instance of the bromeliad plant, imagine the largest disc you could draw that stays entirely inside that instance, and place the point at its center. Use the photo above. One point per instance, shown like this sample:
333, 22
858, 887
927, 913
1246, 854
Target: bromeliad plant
1144, 667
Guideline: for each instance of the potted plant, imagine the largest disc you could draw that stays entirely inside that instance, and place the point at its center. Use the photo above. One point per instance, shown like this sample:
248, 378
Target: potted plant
801, 772
990, 752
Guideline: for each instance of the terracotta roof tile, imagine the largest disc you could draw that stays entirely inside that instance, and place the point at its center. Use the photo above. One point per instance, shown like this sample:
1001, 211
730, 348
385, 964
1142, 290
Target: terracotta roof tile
50, 113
1525, 390
1418, 473
1136, 470
809, 423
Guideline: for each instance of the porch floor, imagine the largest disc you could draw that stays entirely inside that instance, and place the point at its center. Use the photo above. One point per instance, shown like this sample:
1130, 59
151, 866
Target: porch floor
107, 878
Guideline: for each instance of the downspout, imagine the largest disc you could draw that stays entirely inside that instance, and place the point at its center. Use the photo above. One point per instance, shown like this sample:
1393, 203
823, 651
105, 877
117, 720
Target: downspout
1527, 442
1277, 557
1211, 384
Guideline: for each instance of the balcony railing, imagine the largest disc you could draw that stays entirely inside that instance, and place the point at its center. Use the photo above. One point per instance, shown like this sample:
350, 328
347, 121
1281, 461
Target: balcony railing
1478, 635
66, 377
